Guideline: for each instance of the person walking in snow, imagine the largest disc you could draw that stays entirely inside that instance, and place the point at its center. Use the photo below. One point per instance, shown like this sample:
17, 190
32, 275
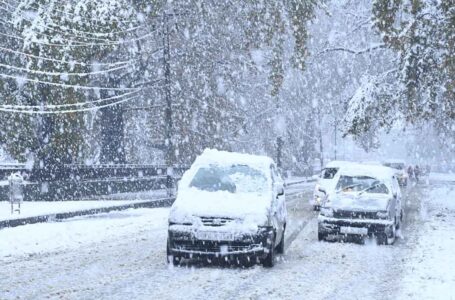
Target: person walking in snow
417, 172
410, 172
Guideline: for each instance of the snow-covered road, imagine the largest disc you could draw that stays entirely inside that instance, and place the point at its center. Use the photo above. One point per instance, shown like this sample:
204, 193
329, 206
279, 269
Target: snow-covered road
122, 255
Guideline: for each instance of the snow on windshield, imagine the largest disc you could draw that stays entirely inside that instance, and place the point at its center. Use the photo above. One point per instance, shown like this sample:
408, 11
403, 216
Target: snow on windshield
233, 179
361, 184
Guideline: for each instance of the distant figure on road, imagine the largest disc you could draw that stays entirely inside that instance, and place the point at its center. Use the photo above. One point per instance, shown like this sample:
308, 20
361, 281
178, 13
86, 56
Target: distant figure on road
417, 172
410, 172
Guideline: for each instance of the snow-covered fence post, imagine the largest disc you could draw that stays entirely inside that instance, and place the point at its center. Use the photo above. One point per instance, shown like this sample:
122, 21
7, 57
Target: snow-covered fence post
16, 191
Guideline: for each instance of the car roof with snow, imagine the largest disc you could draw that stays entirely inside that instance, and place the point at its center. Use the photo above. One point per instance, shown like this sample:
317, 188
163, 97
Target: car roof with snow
339, 163
226, 158
378, 172
394, 161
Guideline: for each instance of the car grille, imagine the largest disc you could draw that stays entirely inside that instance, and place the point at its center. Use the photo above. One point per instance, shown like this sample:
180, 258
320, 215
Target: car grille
346, 214
214, 221
210, 246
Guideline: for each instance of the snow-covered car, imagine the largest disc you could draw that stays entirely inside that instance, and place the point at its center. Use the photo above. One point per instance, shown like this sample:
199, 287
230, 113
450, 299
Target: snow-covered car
325, 183
367, 202
401, 172
229, 206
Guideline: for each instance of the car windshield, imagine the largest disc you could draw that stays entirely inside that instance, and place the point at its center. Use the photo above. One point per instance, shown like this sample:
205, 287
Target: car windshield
233, 179
329, 173
398, 166
361, 184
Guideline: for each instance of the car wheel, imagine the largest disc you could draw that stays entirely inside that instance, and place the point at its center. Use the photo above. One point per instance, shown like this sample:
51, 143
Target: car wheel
391, 240
171, 259
399, 221
383, 239
280, 247
321, 236
269, 260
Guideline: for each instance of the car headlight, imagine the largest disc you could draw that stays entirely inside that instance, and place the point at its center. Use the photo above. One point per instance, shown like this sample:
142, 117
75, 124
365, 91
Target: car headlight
326, 212
382, 214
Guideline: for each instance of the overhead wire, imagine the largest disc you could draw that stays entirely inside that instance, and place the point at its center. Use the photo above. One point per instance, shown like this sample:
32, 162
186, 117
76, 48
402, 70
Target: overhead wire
127, 62
57, 106
76, 87
103, 72
70, 110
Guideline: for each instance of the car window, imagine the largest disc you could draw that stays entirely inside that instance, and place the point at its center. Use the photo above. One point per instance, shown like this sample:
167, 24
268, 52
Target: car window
233, 179
361, 184
329, 173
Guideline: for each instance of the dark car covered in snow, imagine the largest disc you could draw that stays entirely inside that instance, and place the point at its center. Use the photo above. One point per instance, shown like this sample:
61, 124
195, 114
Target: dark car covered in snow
230, 207
366, 202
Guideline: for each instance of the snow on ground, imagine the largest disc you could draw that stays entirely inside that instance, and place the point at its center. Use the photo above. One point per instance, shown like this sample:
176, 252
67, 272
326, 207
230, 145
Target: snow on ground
38, 208
430, 269
122, 255
77, 232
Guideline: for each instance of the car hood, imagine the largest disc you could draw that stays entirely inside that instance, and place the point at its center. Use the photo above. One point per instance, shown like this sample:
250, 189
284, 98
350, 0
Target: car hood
193, 203
363, 202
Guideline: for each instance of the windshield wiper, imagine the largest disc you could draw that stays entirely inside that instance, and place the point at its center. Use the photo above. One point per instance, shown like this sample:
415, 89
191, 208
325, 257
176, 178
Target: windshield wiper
347, 187
369, 188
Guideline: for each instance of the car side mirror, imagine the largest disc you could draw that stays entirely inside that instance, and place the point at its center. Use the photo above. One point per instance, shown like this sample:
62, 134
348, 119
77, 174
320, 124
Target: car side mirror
322, 190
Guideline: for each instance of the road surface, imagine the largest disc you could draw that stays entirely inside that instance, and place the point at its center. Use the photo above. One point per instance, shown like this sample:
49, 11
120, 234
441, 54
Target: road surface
122, 256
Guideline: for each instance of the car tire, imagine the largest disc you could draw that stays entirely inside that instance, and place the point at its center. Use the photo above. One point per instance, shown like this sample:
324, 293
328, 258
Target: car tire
383, 239
280, 247
269, 260
321, 236
171, 259
400, 220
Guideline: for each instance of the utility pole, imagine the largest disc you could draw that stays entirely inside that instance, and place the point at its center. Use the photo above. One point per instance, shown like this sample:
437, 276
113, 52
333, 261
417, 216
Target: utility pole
279, 152
169, 146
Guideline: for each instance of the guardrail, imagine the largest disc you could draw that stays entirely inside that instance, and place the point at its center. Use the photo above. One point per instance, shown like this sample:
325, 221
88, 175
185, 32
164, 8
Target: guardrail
164, 202
73, 182
56, 217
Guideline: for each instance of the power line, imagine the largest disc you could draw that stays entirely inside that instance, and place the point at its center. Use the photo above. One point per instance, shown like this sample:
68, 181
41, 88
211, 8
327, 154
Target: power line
66, 85
81, 44
57, 106
125, 63
30, 112
103, 72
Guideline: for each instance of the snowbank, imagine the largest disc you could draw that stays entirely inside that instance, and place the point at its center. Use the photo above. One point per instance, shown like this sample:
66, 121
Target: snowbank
38, 208
430, 268
77, 232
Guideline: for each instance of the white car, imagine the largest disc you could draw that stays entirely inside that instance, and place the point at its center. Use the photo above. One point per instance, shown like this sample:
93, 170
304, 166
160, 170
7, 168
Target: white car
229, 206
326, 181
367, 202
399, 166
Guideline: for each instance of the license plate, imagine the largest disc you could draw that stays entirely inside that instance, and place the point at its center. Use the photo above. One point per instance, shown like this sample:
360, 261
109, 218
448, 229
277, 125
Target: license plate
215, 236
354, 230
